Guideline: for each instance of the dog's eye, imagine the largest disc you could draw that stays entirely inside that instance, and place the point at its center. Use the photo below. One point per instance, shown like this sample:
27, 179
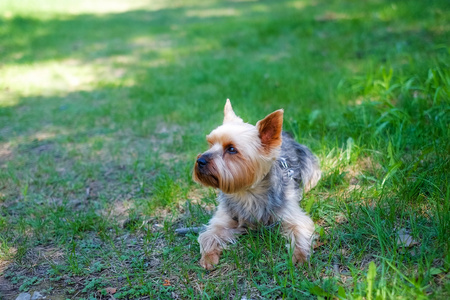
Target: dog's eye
231, 150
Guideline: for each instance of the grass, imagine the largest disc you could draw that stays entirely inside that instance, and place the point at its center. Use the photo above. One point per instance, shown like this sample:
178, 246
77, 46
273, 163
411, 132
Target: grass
104, 106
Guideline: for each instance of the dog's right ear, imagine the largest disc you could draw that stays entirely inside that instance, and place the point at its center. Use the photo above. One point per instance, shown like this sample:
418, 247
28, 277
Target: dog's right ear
270, 130
229, 115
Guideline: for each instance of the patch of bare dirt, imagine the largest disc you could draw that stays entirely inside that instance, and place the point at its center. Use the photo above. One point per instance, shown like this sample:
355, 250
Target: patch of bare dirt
6, 153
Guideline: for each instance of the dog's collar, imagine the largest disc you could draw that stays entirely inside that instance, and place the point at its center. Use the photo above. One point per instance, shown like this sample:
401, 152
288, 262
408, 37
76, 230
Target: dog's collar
283, 163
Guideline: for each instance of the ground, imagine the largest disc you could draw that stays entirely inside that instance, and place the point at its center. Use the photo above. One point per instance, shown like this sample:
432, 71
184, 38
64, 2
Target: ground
104, 106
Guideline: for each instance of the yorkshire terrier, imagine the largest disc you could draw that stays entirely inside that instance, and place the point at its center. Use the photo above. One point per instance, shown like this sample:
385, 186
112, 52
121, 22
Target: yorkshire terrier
261, 173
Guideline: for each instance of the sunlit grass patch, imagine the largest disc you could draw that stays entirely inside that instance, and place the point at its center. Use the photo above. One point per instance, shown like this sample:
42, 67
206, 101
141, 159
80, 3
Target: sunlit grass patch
46, 8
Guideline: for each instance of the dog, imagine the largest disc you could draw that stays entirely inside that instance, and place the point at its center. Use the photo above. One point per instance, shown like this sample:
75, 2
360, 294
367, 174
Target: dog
261, 173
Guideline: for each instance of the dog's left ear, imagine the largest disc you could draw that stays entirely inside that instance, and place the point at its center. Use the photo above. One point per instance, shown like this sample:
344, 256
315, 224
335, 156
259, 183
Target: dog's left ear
270, 130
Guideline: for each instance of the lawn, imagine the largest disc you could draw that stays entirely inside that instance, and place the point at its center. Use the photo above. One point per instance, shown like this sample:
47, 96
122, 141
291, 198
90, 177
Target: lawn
104, 106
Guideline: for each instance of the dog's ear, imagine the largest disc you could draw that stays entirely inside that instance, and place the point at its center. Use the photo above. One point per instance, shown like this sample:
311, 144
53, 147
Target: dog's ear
270, 130
229, 115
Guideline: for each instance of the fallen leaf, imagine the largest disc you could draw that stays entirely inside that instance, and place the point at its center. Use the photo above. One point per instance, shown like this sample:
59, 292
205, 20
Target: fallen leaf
166, 282
342, 251
340, 219
111, 290
318, 244
404, 239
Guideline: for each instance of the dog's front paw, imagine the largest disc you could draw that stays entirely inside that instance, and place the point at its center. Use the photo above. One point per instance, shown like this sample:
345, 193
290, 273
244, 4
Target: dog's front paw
299, 256
209, 260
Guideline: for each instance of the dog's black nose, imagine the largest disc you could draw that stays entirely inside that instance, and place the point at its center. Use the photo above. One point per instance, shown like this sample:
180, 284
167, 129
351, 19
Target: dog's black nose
201, 162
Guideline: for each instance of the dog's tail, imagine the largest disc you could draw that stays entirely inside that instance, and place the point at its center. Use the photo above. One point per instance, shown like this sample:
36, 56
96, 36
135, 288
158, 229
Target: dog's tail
309, 167
301, 161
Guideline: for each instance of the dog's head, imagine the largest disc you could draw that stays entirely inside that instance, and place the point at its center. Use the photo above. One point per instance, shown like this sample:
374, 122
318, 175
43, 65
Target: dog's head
240, 154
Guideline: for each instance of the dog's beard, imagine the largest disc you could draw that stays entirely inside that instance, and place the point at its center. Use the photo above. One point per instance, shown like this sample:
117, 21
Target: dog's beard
206, 176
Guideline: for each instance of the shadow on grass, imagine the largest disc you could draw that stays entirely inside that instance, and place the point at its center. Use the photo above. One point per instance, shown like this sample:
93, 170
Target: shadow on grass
88, 37
144, 67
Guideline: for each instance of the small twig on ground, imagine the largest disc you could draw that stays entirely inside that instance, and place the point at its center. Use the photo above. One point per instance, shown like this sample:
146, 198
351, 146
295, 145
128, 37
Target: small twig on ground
184, 231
